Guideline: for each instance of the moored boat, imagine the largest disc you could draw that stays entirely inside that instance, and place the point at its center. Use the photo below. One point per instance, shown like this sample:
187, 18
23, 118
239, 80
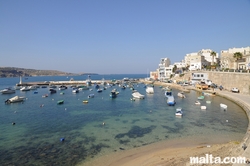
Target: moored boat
201, 97
60, 102
91, 95
170, 98
150, 89
178, 111
197, 102
224, 106
181, 95
137, 95
25, 88
8, 90
203, 107
62, 87
14, 99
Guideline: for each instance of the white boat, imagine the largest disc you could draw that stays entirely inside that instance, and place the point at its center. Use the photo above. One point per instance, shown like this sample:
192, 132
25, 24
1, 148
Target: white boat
170, 98
178, 111
75, 91
203, 107
25, 88
224, 106
8, 90
197, 103
150, 89
62, 87
181, 95
208, 101
137, 95
33, 87
14, 99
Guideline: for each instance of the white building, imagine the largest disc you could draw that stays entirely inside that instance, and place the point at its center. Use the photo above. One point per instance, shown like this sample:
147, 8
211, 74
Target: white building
165, 69
197, 62
207, 55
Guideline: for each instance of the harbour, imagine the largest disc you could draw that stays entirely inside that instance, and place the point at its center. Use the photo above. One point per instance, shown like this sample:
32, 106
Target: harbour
41, 124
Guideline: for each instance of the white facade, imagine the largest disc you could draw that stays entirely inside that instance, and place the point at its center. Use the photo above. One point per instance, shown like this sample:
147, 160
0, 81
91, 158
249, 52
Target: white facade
207, 55
180, 64
164, 69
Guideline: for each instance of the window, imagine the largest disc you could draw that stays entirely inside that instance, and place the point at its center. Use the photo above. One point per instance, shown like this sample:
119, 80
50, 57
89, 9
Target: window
198, 75
201, 75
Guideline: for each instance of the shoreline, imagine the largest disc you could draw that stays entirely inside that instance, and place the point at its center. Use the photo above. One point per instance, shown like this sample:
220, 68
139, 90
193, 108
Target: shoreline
174, 152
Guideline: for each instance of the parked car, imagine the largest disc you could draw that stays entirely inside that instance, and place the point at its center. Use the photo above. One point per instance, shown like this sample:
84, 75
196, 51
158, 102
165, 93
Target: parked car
235, 90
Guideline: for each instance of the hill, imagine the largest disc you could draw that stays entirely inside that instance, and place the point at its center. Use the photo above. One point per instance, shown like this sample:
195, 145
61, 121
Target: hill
16, 72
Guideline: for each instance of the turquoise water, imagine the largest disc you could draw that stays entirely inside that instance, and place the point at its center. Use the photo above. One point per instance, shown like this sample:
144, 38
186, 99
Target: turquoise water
35, 139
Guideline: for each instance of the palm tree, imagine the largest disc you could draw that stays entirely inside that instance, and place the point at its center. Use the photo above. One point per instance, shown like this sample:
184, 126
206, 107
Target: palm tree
237, 56
213, 54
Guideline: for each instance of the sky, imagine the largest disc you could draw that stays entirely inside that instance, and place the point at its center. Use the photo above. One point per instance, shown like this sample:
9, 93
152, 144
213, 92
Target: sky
116, 36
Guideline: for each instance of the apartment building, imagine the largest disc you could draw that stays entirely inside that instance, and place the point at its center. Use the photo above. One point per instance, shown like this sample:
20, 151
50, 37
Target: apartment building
228, 60
207, 55
165, 69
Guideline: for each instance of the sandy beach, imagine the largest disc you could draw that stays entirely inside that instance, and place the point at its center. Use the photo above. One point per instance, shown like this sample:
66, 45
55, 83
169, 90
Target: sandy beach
169, 153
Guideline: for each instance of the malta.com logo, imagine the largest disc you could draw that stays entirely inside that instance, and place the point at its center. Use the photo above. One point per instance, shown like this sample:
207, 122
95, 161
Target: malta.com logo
210, 159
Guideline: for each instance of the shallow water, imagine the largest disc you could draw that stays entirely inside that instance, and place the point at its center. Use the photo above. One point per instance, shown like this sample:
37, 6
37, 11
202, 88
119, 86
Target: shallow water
35, 139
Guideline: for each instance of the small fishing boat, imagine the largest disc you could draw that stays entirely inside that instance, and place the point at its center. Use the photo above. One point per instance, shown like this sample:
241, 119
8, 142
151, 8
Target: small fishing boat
203, 107
8, 91
60, 102
197, 102
224, 106
181, 95
113, 94
150, 90
178, 111
25, 89
75, 91
91, 95
52, 91
137, 95
208, 102
99, 90
46, 95
62, 87
201, 97
85, 101
14, 100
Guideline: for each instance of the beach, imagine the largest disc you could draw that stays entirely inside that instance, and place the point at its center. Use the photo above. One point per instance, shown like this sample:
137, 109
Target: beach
176, 152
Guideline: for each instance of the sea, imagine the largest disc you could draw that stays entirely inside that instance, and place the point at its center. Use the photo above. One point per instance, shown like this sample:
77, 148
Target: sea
40, 132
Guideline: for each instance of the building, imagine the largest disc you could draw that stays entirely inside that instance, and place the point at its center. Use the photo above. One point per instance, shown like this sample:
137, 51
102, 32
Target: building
207, 55
165, 69
228, 60
197, 62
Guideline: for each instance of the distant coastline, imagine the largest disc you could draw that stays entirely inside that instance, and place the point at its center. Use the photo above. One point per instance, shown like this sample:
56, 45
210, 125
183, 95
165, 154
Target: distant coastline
17, 72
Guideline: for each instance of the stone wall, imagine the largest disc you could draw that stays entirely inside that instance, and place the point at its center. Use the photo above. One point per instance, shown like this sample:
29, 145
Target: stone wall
228, 80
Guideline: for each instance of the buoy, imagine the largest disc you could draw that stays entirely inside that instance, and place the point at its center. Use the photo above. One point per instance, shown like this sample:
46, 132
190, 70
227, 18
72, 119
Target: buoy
62, 139
13, 123
103, 123
65, 109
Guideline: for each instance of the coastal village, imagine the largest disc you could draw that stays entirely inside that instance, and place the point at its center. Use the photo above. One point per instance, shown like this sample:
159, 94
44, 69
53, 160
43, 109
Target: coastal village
233, 59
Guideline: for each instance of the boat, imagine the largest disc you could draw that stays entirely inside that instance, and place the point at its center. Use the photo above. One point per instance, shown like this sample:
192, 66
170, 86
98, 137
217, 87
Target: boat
208, 101
52, 90
178, 111
62, 87
75, 90
83, 87
60, 102
97, 86
201, 97
99, 90
113, 94
170, 98
137, 95
91, 95
224, 106
33, 87
149, 89
197, 102
25, 88
181, 95
85, 101
14, 100
46, 95
52, 86
203, 107
8, 90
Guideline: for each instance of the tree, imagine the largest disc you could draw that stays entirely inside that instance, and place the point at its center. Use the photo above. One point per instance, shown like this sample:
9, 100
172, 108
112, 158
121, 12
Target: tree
213, 54
237, 56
